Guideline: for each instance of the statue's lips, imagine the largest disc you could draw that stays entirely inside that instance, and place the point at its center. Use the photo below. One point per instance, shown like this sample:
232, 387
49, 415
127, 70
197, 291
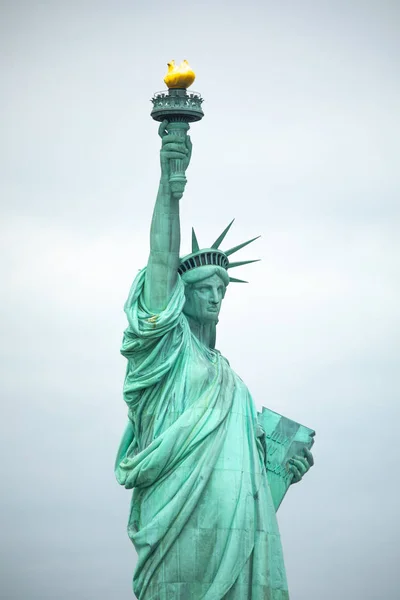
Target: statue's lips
213, 309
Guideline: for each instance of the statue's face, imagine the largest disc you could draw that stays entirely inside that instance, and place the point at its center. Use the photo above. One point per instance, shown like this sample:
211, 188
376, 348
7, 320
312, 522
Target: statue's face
203, 299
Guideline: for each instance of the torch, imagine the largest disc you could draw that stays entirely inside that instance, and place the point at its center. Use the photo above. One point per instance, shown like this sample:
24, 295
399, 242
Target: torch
179, 108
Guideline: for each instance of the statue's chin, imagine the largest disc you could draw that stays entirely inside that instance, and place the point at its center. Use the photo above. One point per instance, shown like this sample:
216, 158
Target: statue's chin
213, 320
210, 318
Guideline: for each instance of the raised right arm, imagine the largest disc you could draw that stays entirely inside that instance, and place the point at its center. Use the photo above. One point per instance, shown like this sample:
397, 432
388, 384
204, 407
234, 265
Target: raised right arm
165, 235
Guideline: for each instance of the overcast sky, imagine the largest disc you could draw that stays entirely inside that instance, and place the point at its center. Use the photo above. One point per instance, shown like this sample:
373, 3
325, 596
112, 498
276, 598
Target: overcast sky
300, 144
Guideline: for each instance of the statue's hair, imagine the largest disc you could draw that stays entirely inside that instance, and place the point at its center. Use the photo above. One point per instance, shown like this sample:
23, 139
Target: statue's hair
204, 272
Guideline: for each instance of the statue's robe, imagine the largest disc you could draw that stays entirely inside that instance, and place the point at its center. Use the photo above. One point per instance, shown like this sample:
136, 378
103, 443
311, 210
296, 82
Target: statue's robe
202, 518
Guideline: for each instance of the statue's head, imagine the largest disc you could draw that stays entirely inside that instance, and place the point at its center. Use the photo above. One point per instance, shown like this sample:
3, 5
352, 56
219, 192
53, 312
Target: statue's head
205, 289
205, 275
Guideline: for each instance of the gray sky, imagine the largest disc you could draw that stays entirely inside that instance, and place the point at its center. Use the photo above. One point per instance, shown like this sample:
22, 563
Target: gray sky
300, 144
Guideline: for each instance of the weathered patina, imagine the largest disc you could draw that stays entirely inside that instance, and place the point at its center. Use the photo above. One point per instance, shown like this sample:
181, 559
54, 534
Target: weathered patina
203, 511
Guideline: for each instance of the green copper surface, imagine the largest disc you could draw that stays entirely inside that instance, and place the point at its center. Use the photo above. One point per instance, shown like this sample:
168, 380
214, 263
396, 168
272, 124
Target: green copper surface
221, 237
207, 472
285, 440
177, 105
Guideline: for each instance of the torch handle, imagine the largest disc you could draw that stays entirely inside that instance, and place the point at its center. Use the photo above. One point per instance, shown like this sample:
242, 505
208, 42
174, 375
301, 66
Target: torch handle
177, 178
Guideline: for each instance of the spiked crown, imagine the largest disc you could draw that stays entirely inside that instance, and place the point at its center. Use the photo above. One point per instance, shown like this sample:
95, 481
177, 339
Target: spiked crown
214, 256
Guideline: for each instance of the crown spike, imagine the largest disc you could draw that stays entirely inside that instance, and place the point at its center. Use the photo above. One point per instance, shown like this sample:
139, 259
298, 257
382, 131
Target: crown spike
236, 248
222, 236
242, 262
234, 280
195, 243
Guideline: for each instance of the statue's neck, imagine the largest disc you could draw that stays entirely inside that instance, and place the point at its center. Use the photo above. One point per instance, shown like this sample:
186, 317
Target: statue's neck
206, 333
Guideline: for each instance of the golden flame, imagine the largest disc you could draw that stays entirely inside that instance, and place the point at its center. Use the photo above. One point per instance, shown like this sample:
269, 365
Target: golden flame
179, 77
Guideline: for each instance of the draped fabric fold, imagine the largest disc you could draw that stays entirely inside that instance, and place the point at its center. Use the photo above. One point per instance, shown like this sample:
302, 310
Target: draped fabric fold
202, 519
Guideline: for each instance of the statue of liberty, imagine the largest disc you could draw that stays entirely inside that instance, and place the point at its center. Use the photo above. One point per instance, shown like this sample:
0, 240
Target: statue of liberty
203, 516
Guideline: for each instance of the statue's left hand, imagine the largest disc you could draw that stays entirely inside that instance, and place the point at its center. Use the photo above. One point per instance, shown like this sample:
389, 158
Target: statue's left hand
300, 465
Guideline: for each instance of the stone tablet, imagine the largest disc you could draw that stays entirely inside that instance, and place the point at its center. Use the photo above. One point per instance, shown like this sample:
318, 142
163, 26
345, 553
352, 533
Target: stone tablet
284, 439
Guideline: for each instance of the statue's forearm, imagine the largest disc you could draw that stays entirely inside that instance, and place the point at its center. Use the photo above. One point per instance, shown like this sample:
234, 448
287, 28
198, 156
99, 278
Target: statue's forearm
162, 267
165, 235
